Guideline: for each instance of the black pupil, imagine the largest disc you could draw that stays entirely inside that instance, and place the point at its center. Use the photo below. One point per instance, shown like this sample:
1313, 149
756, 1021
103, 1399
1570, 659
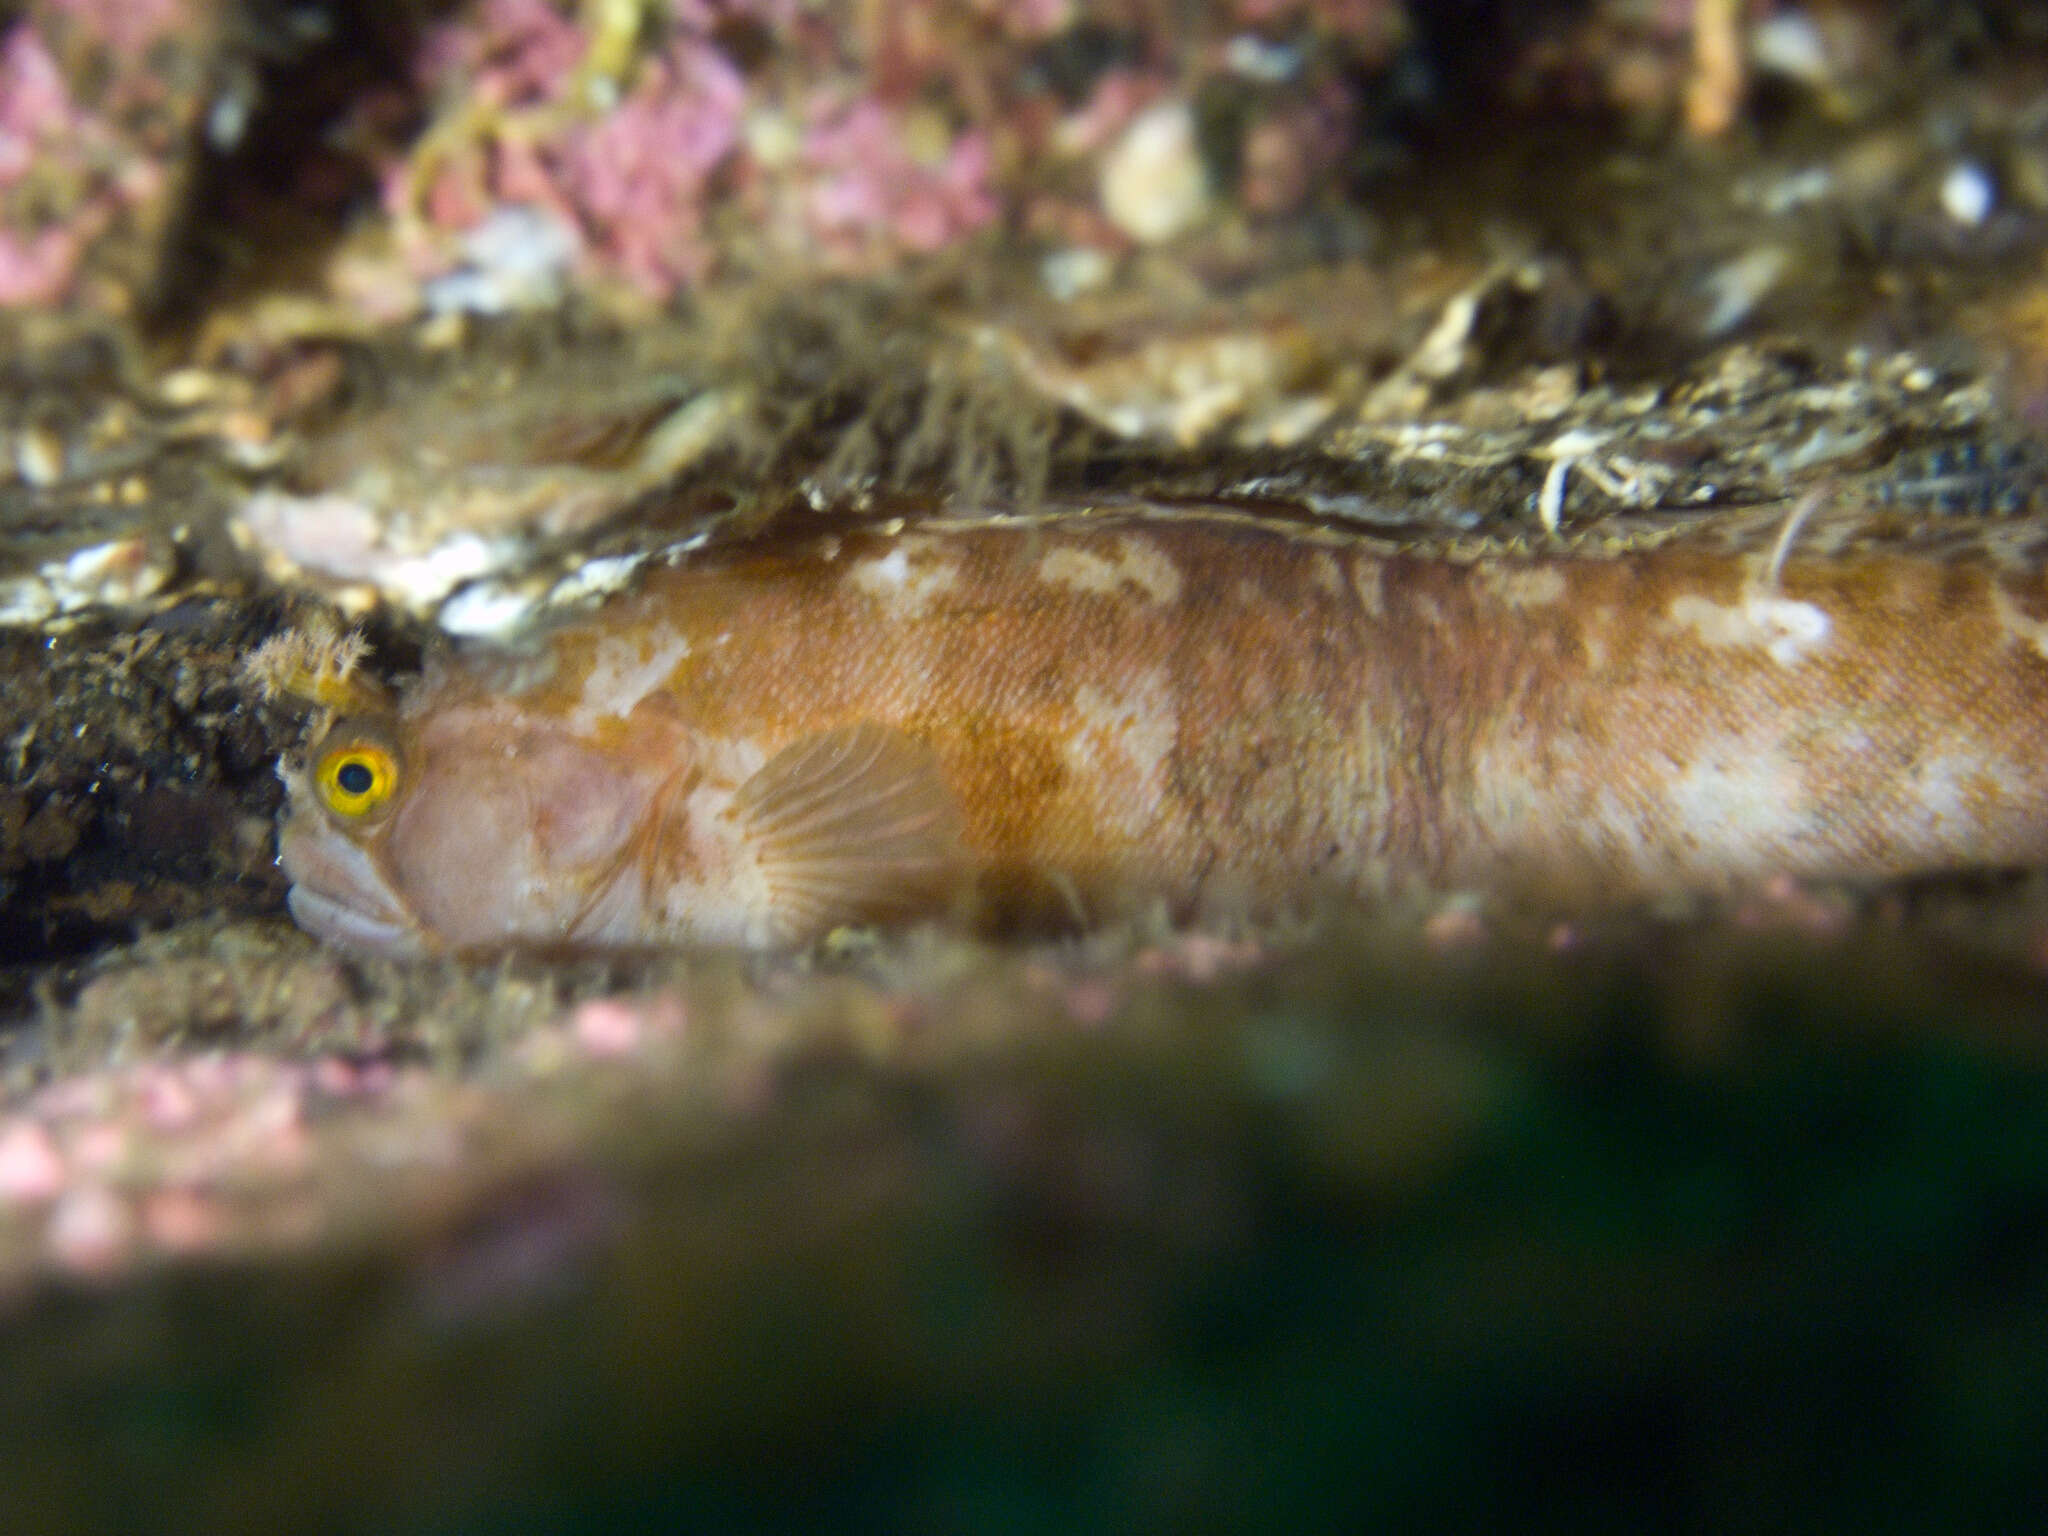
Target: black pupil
354, 778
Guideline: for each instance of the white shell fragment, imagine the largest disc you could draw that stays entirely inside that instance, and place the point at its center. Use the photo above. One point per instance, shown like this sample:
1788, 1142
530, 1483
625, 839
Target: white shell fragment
1967, 195
338, 538
486, 610
1790, 44
1153, 184
445, 513
519, 258
1734, 289
128, 569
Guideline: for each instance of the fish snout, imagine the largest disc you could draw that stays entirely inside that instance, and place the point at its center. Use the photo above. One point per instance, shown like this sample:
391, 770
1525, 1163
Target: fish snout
338, 894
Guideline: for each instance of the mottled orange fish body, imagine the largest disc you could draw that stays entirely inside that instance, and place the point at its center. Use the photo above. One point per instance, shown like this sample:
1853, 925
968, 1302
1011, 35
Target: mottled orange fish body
1093, 714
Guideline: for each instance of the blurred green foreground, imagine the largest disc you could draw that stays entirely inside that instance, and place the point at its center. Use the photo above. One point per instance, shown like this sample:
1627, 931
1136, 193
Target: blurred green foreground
1714, 1233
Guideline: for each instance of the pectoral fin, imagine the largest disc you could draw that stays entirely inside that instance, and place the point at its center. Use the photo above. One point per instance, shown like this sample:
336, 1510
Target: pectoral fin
852, 825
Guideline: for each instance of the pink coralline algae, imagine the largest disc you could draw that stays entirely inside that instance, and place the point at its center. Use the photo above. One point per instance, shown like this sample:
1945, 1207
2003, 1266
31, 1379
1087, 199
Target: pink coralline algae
640, 173
35, 106
68, 173
210, 1153
672, 141
511, 53
1375, 21
36, 267
38, 249
30, 1167
871, 194
125, 26
524, 122
1031, 19
632, 182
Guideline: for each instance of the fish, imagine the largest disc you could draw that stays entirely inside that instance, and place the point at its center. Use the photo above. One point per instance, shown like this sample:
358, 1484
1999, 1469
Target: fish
1065, 718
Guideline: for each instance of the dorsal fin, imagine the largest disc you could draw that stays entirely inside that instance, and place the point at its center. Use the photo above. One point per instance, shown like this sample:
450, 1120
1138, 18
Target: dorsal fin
851, 825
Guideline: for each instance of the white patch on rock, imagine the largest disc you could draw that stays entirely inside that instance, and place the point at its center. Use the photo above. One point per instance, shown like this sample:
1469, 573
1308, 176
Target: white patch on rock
486, 609
1154, 186
426, 578
347, 538
593, 578
1967, 194
519, 257
119, 571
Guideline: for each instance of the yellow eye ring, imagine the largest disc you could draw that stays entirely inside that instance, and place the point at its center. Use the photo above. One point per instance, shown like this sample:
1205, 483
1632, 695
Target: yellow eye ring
355, 779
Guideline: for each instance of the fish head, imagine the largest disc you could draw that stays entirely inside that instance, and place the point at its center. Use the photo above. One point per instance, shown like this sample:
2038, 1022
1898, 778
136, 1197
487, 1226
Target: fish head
468, 830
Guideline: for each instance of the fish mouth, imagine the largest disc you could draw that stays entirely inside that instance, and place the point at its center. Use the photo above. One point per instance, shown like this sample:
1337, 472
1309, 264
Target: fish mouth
338, 894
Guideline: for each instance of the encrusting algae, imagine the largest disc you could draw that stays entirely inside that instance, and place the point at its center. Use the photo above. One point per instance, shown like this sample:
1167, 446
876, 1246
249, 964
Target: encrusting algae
1073, 716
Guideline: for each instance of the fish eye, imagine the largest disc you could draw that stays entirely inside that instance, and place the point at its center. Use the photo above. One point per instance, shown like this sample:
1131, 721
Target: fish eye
355, 775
